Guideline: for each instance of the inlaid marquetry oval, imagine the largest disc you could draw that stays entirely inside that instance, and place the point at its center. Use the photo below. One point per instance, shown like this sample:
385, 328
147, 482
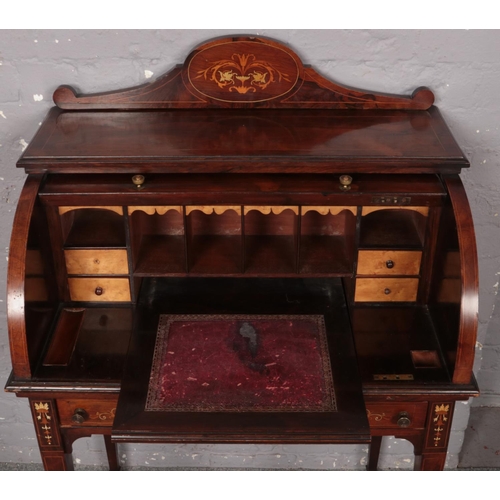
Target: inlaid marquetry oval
155, 210
118, 210
421, 210
328, 210
243, 71
208, 209
266, 210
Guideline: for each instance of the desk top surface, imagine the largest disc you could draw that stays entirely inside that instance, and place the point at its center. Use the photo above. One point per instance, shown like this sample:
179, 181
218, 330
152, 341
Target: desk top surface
244, 141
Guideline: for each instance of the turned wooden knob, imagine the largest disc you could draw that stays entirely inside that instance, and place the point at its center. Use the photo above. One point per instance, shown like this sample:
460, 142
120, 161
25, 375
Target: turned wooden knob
389, 264
138, 181
387, 291
79, 416
404, 419
99, 290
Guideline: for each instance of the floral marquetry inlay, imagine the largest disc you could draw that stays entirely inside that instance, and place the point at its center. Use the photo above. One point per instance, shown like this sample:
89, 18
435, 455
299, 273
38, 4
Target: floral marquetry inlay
377, 417
440, 422
106, 415
243, 71
43, 420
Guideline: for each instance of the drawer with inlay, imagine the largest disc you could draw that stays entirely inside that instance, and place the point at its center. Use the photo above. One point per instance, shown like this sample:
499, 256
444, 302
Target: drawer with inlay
96, 261
387, 262
404, 415
99, 289
386, 290
87, 412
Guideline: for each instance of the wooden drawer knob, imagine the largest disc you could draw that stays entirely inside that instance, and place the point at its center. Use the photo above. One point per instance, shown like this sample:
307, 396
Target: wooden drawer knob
404, 419
387, 291
79, 416
389, 264
99, 290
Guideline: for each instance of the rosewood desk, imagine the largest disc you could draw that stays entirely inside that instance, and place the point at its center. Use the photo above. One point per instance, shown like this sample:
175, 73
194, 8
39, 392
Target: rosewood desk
243, 251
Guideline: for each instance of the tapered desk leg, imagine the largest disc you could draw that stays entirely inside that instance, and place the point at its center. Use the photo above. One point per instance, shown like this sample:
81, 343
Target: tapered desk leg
437, 435
50, 442
374, 453
111, 452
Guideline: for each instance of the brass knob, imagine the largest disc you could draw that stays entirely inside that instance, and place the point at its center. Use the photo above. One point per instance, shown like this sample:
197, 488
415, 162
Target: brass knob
404, 419
387, 291
389, 264
345, 182
79, 416
138, 181
99, 290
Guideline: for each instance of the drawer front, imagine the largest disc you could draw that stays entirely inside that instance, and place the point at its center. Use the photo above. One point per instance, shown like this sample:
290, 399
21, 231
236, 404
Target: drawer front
99, 289
96, 412
386, 290
397, 415
389, 262
96, 261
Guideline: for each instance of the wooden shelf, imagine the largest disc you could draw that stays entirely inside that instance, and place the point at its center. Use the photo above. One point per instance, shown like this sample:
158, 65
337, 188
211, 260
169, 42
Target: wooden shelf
90, 228
325, 255
269, 254
161, 255
392, 229
215, 254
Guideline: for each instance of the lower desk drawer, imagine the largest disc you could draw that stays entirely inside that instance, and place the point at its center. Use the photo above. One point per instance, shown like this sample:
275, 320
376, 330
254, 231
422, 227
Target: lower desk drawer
386, 290
87, 412
99, 289
402, 415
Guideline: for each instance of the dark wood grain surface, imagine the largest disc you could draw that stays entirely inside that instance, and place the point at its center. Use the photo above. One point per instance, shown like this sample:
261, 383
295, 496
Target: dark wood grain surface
277, 141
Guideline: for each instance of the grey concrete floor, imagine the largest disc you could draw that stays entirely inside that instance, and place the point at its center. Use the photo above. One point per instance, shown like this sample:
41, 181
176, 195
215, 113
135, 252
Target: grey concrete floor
481, 448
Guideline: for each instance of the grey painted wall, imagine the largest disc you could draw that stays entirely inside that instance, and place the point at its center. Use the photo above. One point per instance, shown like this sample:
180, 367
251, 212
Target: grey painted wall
461, 67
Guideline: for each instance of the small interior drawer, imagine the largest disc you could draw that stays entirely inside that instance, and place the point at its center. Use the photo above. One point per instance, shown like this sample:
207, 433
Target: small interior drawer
404, 415
96, 261
99, 289
87, 412
386, 290
387, 262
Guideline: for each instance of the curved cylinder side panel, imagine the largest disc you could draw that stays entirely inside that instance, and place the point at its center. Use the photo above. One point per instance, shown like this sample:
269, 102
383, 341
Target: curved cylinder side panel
17, 277
469, 276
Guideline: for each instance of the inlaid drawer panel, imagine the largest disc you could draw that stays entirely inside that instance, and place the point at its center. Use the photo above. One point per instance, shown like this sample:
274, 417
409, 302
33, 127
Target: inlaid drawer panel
87, 412
386, 289
389, 262
397, 415
96, 261
99, 289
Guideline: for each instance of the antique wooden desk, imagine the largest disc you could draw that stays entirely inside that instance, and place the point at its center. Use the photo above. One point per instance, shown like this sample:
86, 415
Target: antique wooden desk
243, 252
